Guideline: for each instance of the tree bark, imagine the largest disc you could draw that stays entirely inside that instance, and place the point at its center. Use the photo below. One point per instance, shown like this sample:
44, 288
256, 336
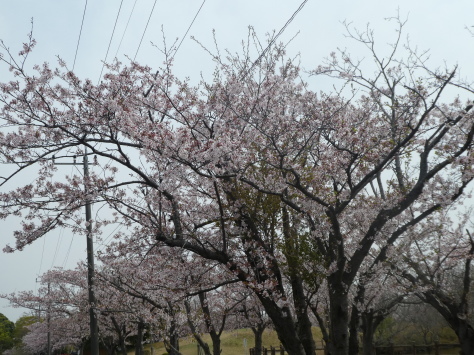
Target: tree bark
215, 335
120, 330
201, 342
299, 300
139, 341
173, 345
354, 331
304, 324
368, 329
285, 326
258, 334
339, 317
322, 325
465, 333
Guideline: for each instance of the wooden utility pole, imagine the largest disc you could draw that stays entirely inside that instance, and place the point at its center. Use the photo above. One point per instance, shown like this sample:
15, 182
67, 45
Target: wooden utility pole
94, 332
48, 320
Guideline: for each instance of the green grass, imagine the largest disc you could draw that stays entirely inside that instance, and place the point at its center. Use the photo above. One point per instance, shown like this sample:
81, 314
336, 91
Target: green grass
232, 342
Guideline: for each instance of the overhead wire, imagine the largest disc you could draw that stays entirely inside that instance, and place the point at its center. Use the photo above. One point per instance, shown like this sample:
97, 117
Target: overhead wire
61, 234
126, 27
143, 35
42, 255
110, 42
179, 45
68, 252
79, 39
275, 38
58, 244
111, 235
182, 39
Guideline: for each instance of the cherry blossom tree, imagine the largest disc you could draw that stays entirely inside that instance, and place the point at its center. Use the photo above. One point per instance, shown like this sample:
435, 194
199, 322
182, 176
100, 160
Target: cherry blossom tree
247, 170
374, 300
255, 318
150, 293
438, 268
60, 305
216, 309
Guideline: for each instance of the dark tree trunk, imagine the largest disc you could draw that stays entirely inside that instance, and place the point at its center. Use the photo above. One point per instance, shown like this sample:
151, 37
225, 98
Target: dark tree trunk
370, 321
465, 334
139, 340
216, 343
109, 345
368, 330
299, 300
322, 325
339, 318
215, 335
354, 331
258, 334
172, 347
122, 346
121, 332
304, 323
284, 325
194, 331
457, 317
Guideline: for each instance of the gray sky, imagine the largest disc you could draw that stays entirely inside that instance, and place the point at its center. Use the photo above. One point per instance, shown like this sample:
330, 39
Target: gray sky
437, 25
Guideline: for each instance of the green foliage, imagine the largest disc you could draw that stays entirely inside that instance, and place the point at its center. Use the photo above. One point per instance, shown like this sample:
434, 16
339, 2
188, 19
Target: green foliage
21, 328
447, 335
7, 328
401, 332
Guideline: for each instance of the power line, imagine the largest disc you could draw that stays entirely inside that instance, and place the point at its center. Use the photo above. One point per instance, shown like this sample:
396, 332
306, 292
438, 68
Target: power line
68, 252
275, 38
111, 235
58, 244
80, 32
143, 35
182, 39
42, 254
126, 27
110, 42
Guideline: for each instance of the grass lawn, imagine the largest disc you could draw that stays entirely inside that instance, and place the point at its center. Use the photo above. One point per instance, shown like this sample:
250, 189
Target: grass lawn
232, 342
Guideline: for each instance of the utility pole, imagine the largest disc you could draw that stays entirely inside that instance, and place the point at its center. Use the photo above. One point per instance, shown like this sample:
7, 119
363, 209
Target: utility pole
48, 317
48, 320
94, 333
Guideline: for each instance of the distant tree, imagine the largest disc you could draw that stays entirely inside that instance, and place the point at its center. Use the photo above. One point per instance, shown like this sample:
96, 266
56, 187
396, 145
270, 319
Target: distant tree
21, 329
256, 319
7, 329
437, 266
374, 300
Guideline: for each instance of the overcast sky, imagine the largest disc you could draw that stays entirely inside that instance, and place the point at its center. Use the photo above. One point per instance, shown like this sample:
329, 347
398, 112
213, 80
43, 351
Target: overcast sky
437, 25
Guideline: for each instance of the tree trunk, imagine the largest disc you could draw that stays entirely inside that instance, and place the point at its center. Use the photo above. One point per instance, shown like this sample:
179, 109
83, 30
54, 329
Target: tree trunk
194, 331
322, 324
216, 343
109, 345
368, 329
304, 323
121, 332
456, 316
215, 336
258, 334
299, 300
354, 331
173, 345
465, 335
339, 317
284, 325
139, 341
